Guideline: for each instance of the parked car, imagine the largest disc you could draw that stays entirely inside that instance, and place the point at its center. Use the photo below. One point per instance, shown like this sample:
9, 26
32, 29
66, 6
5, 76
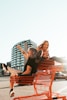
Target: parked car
60, 75
1, 72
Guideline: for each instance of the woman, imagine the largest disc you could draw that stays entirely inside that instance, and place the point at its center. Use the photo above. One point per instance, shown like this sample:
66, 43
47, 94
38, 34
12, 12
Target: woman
45, 53
44, 49
43, 46
30, 67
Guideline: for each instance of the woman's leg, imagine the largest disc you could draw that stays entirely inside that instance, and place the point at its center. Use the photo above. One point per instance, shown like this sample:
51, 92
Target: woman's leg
59, 59
13, 73
11, 70
12, 81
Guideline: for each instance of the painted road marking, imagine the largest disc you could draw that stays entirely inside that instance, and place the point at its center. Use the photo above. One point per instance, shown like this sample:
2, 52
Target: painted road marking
61, 90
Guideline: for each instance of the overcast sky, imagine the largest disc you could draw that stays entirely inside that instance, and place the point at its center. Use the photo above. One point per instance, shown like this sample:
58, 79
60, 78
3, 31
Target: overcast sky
37, 20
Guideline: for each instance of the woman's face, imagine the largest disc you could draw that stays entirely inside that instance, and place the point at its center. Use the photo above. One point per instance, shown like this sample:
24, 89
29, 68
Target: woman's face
45, 46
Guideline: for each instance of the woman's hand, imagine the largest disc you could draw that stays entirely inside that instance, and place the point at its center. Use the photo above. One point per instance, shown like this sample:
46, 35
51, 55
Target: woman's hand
22, 51
19, 47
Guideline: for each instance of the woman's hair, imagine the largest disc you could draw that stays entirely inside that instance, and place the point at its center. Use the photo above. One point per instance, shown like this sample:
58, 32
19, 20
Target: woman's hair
44, 42
36, 54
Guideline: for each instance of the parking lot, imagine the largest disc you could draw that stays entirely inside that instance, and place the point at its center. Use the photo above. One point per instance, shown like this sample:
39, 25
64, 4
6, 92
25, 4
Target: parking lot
59, 86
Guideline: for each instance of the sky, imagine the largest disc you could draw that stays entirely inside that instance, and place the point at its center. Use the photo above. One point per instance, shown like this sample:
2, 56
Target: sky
37, 20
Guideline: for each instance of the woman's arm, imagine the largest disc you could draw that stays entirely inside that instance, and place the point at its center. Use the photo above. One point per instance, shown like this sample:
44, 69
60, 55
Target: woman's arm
28, 70
39, 47
46, 54
22, 51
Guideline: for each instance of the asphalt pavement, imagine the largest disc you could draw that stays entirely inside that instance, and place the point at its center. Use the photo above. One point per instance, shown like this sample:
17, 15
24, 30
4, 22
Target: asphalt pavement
59, 86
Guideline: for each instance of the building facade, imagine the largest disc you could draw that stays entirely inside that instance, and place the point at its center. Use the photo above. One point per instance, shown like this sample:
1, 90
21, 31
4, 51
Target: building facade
9, 63
17, 59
